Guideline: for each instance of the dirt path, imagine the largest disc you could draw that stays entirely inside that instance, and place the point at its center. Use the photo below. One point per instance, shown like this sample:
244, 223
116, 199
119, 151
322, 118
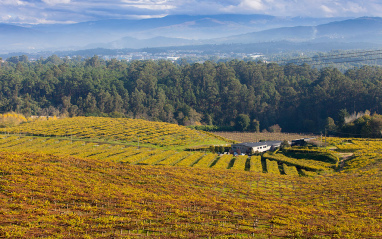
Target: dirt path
343, 158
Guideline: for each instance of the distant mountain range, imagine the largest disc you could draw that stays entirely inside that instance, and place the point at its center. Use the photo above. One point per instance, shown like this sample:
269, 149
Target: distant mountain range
364, 29
182, 30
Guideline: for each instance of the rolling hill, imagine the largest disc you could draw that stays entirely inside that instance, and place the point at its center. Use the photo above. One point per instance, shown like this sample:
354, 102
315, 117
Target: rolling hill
128, 131
51, 196
86, 177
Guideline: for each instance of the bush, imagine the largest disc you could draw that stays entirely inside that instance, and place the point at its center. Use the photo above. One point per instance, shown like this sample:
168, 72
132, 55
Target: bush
284, 144
274, 128
11, 119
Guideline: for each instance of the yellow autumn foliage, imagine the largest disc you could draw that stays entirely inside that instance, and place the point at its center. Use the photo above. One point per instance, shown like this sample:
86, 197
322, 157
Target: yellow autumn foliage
11, 119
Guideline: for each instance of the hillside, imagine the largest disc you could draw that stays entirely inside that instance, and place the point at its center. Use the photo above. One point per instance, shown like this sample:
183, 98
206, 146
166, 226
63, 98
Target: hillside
87, 178
50, 196
157, 156
364, 29
118, 130
140, 142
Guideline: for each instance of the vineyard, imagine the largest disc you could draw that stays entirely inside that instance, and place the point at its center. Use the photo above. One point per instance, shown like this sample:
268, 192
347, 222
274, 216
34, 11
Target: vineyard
96, 182
142, 142
67, 197
314, 161
131, 131
365, 152
156, 156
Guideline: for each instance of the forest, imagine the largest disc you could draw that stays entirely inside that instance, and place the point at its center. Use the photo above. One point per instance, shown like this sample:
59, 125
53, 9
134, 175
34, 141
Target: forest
296, 98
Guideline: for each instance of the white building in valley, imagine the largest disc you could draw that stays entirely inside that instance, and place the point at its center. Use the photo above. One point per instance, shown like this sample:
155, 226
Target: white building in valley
255, 146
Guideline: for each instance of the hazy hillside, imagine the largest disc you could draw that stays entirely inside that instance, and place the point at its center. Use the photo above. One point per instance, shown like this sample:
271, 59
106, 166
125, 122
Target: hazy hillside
354, 30
105, 33
130, 42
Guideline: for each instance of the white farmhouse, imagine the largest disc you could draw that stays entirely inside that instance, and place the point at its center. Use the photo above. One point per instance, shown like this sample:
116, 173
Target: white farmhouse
255, 146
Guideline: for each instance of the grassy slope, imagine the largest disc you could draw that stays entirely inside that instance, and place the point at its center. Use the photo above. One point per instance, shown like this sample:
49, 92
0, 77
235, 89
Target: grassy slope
42, 195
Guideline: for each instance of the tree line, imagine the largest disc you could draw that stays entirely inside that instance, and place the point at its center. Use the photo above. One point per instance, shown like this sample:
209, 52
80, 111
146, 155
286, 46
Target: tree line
243, 94
357, 124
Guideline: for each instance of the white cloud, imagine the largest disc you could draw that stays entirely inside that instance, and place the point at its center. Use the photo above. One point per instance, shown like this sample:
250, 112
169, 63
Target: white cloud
355, 8
150, 4
146, 16
253, 4
307, 8
45, 21
6, 17
154, 7
54, 2
13, 2
37, 11
327, 10
245, 6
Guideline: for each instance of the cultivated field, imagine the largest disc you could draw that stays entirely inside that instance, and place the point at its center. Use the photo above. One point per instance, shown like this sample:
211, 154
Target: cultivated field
98, 183
153, 156
66, 197
128, 131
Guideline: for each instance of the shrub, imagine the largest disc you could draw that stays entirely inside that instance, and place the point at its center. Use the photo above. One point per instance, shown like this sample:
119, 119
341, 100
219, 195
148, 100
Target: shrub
11, 119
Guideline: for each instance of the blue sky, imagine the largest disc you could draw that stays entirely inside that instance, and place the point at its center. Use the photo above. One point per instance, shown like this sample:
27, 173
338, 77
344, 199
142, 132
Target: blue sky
72, 11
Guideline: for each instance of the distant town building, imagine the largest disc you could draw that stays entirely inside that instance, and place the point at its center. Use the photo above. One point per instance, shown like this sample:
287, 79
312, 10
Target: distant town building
172, 58
255, 56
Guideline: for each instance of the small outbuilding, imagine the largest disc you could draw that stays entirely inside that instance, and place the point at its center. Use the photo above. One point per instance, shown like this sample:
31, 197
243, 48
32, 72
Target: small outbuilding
301, 142
255, 146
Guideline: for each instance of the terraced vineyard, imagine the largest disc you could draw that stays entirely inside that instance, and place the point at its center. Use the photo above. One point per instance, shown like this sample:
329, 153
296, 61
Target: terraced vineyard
306, 164
255, 164
205, 161
102, 184
240, 162
156, 156
365, 153
159, 144
272, 167
223, 161
290, 170
175, 158
87, 198
105, 151
120, 130
191, 159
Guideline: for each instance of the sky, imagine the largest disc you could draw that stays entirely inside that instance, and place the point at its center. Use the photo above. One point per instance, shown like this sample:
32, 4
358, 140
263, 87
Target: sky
73, 11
